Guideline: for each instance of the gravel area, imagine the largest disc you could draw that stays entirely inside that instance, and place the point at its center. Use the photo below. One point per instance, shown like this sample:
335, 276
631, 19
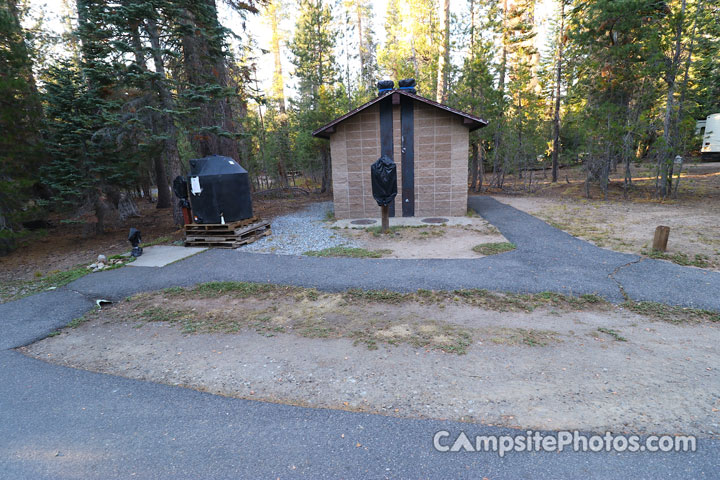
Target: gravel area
299, 232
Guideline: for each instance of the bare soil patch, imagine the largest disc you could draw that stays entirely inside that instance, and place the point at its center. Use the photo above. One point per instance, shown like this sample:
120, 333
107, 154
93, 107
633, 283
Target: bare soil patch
532, 361
432, 241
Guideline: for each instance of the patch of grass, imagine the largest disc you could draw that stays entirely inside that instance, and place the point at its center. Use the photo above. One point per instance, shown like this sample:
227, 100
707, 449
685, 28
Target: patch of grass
494, 248
237, 289
521, 336
380, 296
673, 314
377, 230
76, 322
559, 226
189, 321
330, 216
16, 290
433, 232
317, 331
157, 241
503, 302
613, 333
591, 298
422, 334
173, 291
126, 260
699, 260
348, 252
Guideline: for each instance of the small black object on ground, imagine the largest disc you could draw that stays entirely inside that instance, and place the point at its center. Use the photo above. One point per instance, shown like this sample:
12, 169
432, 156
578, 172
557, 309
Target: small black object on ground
135, 238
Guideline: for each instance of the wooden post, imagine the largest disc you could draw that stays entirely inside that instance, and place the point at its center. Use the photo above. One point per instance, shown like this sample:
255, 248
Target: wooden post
660, 240
385, 212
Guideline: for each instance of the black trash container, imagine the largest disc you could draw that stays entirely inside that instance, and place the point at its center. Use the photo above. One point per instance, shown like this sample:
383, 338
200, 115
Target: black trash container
219, 190
383, 177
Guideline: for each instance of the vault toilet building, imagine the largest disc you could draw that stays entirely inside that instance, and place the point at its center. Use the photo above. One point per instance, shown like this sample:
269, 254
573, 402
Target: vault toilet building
427, 140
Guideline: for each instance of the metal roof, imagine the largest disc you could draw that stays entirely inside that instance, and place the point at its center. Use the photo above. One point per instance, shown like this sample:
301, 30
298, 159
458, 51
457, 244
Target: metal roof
471, 121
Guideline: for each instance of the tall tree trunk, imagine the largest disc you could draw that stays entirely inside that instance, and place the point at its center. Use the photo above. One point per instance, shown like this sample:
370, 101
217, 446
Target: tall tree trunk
472, 30
33, 103
481, 166
688, 64
558, 78
474, 166
664, 160
444, 58
171, 155
161, 180
278, 84
501, 89
326, 178
279, 94
205, 68
362, 49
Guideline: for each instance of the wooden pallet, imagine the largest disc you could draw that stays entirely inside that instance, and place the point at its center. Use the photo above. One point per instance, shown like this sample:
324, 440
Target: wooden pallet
219, 227
228, 238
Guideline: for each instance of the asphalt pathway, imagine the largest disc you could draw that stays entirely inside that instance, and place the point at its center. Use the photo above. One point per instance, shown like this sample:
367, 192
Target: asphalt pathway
58, 422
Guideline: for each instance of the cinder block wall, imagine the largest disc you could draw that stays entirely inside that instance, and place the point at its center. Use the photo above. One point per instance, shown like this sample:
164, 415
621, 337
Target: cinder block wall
441, 159
441, 162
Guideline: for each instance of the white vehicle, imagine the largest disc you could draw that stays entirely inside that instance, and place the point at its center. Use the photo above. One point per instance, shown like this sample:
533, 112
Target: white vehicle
710, 149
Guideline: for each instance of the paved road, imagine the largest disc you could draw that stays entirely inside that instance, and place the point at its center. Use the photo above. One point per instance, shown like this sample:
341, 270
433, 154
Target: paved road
58, 423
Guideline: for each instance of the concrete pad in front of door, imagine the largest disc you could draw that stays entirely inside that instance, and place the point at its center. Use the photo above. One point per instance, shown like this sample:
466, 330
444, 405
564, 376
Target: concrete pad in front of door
161, 255
402, 222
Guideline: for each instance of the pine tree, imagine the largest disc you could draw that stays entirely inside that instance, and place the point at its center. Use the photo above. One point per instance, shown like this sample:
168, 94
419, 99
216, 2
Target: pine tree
444, 57
359, 17
318, 89
412, 44
20, 118
475, 91
207, 90
614, 46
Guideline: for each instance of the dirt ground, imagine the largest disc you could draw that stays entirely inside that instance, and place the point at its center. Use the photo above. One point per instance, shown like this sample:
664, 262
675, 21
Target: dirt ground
629, 226
540, 362
67, 245
452, 241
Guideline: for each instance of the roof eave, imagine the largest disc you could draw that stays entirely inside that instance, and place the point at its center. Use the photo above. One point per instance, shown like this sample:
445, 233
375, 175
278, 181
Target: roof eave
471, 121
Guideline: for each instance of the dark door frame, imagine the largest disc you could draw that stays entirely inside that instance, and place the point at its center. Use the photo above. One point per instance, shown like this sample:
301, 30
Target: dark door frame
386, 134
407, 129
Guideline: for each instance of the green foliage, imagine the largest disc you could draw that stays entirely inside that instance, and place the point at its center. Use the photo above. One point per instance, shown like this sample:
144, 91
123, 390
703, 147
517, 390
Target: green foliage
680, 258
320, 97
494, 248
412, 43
20, 116
671, 313
613, 333
12, 290
312, 48
157, 79
241, 289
